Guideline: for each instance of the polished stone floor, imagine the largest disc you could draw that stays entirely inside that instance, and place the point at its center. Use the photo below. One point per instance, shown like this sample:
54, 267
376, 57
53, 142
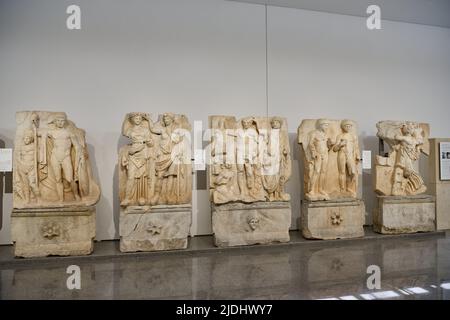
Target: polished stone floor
411, 268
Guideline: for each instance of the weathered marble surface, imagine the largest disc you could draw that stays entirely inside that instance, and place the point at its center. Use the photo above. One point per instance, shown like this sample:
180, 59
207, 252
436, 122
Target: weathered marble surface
395, 172
249, 165
155, 183
58, 231
331, 157
52, 167
337, 219
161, 227
54, 188
236, 224
404, 214
155, 166
250, 159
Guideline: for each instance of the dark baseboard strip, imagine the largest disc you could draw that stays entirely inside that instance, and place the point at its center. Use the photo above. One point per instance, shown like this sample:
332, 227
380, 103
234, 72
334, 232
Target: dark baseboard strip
109, 250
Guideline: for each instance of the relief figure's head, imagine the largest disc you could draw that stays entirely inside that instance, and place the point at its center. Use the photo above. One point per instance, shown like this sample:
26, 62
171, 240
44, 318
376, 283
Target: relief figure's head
346, 126
408, 128
322, 124
60, 121
28, 138
247, 123
168, 119
253, 223
136, 118
275, 123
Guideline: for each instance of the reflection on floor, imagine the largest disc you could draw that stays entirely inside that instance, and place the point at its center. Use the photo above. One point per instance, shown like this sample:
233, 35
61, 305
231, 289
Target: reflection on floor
411, 268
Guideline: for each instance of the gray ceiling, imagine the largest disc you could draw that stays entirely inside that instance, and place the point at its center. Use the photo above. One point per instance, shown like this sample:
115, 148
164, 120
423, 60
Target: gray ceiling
428, 12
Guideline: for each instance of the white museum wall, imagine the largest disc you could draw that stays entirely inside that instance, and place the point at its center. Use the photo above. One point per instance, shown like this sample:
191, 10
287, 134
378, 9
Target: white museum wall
205, 57
329, 65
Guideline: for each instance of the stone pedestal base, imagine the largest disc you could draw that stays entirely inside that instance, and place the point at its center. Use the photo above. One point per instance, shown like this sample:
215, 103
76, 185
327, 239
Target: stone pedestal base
57, 231
162, 227
334, 219
239, 224
407, 214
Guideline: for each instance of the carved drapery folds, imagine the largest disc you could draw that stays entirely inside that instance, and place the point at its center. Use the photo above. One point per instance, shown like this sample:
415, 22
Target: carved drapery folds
51, 163
396, 173
249, 159
155, 167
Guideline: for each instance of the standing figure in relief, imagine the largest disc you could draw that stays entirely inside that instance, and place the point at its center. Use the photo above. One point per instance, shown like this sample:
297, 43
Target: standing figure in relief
248, 166
56, 149
223, 188
318, 148
222, 173
27, 167
250, 159
60, 158
136, 159
408, 148
218, 146
348, 157
172, 158
277, 163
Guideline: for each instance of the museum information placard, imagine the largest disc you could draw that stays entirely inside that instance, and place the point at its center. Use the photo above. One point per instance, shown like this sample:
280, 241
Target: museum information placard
444, 163
5, 160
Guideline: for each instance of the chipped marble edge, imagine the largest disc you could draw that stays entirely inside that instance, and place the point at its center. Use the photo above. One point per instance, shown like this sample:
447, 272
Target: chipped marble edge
345, 202
425, 198
50, 212
250, 206
156, 209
